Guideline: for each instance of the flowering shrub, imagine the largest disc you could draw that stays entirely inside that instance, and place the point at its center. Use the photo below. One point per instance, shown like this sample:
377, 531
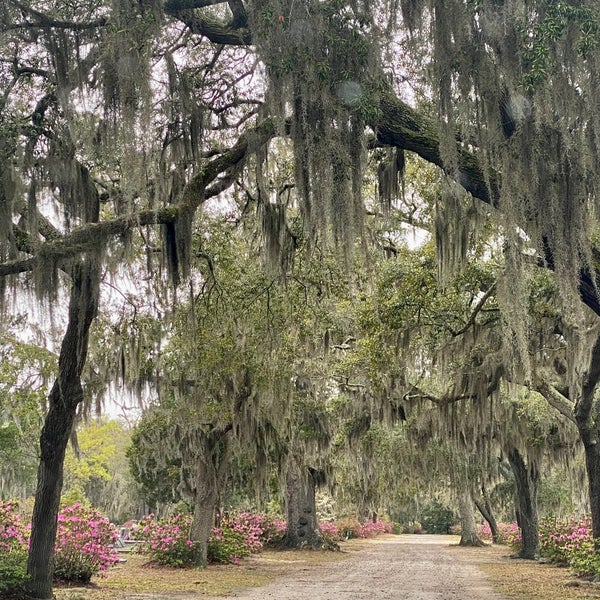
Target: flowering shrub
242, 534
351, 528
330, 532
166, 542
13, 548
226, 545
273, 531
84, 544
509, 533
570, 542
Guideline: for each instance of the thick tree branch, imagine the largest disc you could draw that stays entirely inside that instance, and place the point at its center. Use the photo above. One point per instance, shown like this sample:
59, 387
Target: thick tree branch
43, 21
476, 310
402, 126
555, 399
211, 28
92, 236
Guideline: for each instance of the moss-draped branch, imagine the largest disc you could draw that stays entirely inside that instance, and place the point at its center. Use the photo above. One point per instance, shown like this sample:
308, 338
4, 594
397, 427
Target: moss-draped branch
93, 236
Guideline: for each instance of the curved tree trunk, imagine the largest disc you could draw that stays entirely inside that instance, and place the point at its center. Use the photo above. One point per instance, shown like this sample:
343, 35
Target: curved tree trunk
485, 508
468, 535
211, 470
301, 509
66, 394
527, 480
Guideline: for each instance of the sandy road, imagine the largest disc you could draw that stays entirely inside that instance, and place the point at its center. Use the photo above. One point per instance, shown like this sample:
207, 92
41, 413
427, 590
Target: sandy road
419, 567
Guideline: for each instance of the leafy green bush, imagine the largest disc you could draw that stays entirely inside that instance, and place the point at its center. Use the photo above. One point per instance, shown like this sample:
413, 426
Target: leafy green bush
13, 548
437, 518
13, 571
226, 545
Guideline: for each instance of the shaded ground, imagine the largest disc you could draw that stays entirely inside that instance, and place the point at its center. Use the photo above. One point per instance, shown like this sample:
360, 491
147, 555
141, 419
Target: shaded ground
403, 567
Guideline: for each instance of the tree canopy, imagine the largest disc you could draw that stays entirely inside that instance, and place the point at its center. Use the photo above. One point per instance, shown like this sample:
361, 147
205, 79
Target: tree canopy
121, 122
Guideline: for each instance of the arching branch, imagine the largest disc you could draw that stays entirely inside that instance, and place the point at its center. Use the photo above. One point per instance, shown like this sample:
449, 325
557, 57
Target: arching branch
92, 236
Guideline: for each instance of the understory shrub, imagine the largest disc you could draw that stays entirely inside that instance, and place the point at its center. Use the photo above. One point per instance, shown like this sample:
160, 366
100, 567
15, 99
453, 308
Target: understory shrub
352, 528
83, 548
166, 542
331, 533
570, 542
509, 534
13, 548
84, 544
437, 518
564, 542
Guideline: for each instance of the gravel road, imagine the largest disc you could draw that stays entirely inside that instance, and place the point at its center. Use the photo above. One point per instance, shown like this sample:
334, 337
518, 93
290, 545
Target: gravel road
407, 567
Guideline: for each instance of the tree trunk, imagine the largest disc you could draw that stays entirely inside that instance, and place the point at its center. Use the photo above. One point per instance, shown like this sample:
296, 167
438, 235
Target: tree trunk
485, 508
66, 394
468, 535
211, 470
301, 508
592, 465
586, 418
527, 480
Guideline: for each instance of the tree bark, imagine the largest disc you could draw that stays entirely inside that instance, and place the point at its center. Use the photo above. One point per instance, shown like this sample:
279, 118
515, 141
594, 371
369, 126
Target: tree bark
211, 470
468, 535
527, 479
65, 396
301, 507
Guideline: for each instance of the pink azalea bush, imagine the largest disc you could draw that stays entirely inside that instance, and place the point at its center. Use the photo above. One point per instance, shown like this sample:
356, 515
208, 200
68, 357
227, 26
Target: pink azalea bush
331, 532
84, 544
570, 542
242, 534
166, 542
352, 528
565, 542
510, 534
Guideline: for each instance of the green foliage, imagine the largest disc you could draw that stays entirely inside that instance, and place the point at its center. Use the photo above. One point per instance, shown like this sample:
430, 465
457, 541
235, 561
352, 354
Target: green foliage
555, 20
437, 518
25, 373
13, 548
158, 474
13, 571
226, 545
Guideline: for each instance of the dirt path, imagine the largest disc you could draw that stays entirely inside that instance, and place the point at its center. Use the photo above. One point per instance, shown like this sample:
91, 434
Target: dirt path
419, 567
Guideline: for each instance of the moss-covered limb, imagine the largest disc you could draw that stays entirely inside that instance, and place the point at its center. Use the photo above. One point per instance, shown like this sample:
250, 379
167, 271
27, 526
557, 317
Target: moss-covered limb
195, 191
216, 32
555, 399
238, 10
172, 6
398, 124
41, 20
93, 236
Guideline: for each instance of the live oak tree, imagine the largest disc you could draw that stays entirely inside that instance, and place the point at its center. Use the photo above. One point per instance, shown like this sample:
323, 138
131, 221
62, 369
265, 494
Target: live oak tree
131, 117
